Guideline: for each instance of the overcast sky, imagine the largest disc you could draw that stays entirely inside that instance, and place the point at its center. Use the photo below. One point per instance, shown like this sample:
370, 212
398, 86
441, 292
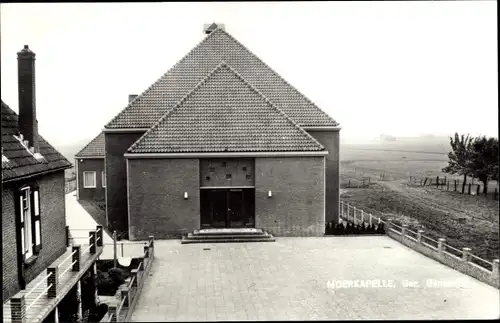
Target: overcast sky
399, 68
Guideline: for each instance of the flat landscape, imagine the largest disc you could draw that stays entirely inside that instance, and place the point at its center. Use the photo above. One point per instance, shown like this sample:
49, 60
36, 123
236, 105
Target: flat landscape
464, 220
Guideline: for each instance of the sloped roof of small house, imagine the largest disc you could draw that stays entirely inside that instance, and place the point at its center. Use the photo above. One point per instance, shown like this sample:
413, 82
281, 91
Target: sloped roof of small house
17, 160
225, 113
95, 148
163, 95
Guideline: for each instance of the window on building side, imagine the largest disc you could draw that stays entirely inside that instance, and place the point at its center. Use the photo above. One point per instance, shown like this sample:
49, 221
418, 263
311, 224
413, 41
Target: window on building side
103, 174
29, 221
89, 180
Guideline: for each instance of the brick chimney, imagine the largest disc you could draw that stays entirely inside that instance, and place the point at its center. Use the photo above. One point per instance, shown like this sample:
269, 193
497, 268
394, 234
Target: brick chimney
28, 126
131, 97
208, 28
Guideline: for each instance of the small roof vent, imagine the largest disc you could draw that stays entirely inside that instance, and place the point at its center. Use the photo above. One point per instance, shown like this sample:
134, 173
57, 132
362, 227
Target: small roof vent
208, 28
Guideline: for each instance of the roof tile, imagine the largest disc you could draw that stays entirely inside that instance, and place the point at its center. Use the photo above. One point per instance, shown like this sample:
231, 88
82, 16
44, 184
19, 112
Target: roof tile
225, 113
95, 148
218, 46
21, 162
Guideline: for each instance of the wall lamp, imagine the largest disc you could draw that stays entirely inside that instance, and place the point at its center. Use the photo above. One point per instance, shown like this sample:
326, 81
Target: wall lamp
185, 195
269, 194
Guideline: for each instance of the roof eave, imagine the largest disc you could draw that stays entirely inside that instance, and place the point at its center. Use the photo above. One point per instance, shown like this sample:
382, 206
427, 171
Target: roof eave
14, 179
323, 128
226, 154
89, 157
128, 130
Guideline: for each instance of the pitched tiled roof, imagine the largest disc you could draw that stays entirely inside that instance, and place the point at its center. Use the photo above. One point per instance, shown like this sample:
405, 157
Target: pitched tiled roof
218, 46
224, 113
17, 160
94, 148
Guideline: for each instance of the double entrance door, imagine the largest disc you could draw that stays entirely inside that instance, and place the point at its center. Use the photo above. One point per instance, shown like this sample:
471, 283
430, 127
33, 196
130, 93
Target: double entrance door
227, 208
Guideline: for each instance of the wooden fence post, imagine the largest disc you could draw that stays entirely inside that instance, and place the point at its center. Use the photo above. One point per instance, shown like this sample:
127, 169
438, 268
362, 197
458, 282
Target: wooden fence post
466, 254
455, 185
437, 181
52, 280
67, 236
441, 242
470, 185
76, 257
92, 236
495, 270
404, 227
478, 189
419, 236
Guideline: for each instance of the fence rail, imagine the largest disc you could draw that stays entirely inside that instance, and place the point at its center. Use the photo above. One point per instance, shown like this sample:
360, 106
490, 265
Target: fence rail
55, 281
438, 250
130, 294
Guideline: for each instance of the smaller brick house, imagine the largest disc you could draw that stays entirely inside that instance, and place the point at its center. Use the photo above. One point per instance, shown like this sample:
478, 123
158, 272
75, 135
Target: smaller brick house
37, 271
90, 171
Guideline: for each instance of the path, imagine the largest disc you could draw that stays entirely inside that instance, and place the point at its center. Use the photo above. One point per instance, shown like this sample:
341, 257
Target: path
288, 280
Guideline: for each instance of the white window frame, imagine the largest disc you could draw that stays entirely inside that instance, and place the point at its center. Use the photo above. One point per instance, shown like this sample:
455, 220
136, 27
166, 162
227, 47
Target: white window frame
103, 179
84, 181
27, 233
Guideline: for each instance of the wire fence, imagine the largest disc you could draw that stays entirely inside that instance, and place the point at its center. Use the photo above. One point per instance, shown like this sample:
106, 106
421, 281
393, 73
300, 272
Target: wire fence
454, 185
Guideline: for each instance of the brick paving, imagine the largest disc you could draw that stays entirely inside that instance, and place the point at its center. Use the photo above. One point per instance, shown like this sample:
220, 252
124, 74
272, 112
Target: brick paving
287, 280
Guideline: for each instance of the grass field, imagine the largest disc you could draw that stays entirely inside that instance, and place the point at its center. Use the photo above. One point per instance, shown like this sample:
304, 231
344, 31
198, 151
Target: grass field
464, 220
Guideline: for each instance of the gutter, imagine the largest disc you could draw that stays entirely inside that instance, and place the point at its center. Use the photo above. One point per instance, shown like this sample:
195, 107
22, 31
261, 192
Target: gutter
322, 128
228, 154
35, 174
113, 130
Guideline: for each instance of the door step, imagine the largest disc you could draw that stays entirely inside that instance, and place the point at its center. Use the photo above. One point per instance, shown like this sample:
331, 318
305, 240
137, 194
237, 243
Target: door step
227, 235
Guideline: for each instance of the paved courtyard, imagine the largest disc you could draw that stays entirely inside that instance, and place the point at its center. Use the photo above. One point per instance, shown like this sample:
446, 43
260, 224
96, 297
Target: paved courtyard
288, 280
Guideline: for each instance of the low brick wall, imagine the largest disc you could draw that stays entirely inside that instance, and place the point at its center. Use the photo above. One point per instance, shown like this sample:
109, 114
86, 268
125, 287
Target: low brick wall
444, 257
418, 243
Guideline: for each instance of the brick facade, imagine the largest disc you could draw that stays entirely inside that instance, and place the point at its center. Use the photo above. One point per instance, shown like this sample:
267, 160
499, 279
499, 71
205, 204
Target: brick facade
53, 221
330, 140
116, 144
94, 194
156, 197
297, 205
157, 205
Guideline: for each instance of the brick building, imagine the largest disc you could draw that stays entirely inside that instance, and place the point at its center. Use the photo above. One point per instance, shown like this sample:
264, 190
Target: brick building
221, 140
90, 172
34, 232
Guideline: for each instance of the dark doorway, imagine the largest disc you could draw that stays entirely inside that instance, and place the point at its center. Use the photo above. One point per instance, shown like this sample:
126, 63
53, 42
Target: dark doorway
227, 208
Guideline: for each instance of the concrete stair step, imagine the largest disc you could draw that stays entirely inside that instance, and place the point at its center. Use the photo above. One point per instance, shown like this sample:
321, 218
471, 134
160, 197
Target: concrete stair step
186, 240
228, 236
238, 232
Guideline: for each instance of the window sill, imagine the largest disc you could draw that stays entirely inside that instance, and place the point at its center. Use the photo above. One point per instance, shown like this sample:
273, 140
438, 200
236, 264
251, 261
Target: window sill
30, 260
